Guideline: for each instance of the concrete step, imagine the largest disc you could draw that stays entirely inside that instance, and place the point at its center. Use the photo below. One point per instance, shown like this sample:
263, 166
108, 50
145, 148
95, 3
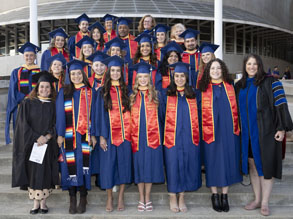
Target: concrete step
21, 211
239, 195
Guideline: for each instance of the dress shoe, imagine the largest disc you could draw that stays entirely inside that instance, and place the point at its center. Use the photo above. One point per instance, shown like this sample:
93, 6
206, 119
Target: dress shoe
216, 202
224, 202
72, 206
44, 211
35, 211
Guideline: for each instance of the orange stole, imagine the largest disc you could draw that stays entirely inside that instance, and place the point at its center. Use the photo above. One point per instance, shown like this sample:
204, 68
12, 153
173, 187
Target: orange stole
152, 123
107, 36
166, 80
208, 129
55, 51
119, 122
171, 121
84, 112
186, 58
78, 37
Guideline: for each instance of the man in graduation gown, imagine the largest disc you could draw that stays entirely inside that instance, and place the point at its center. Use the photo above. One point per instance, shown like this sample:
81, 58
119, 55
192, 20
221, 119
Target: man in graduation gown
110, 32
83, 24
20, 83
191, 55
123, 33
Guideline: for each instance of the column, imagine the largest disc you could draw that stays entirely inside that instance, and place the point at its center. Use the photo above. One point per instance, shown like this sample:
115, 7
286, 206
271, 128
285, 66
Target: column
218, 34
34, 31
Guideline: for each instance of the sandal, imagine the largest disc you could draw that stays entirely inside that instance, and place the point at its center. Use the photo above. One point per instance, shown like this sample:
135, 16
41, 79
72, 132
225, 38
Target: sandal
265, 211
252, 206
149, 206
174, 207
140, 207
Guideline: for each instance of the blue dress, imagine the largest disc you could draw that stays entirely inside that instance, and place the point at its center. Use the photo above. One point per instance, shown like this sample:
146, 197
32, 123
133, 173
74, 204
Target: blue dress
222, 157
182, 161
83, 176
116, 162
148, 162
249, 127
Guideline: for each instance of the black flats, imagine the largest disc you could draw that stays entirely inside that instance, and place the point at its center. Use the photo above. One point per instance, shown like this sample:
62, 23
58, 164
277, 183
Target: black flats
222, 205
39, 210
35, 211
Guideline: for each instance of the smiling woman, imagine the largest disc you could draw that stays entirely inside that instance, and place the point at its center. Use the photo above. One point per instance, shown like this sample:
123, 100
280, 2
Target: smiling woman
39, 178
264, 120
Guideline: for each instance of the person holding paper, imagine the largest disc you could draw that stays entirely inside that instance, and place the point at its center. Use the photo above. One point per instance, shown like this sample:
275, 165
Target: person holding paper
38, 178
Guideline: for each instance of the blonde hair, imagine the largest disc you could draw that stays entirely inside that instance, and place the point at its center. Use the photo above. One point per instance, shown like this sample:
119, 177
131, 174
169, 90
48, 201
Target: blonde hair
152, 95
81, 55
173, 30
202, 65
140, 24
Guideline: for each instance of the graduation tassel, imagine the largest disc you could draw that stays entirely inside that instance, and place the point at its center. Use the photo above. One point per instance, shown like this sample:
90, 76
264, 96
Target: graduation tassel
124, 73
151, 78
189, 75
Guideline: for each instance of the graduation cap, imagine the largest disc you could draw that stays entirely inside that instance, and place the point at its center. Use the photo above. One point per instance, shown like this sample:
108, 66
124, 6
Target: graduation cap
99, 26
143, 67
123, 21
43, 76
172, 46
98, 56
144, 37
58, 57
76, 64
161, 28
58, 32
189, 33
117, 42
81, 18
180, 67
113, 61
208, 47
85, 40
109, 17
29, 47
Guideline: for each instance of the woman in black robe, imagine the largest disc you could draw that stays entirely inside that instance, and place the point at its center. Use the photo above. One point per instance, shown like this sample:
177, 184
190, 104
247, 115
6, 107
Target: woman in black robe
36, 123
264, 118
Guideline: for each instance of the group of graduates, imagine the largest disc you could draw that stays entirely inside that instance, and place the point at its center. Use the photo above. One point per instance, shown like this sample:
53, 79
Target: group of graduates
143, 110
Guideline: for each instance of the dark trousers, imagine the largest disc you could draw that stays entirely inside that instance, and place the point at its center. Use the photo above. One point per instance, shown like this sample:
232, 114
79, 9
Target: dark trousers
82, 190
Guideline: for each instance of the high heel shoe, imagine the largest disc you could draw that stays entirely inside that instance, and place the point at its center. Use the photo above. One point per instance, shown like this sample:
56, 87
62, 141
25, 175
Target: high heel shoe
224, 202
216, 202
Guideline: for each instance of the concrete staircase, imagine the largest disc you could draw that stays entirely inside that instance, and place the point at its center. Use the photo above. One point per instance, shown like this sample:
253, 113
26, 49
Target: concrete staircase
15, 204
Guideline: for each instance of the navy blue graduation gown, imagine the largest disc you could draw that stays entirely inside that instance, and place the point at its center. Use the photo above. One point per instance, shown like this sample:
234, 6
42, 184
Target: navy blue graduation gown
182, 161
148, 162
222, 157
115, 163
83, 177
14, 98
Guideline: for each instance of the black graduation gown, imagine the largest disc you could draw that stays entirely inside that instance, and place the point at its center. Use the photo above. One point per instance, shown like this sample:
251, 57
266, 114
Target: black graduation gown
34, 118
271, 117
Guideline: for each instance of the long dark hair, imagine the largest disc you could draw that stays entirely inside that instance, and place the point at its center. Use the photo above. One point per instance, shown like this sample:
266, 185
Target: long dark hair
206, 78
164, 64
101, 40
260, 75
106, 92
188, 91
137, 56
69, 88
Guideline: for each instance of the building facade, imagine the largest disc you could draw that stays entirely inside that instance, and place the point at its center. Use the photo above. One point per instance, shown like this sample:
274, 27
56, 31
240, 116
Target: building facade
264, 27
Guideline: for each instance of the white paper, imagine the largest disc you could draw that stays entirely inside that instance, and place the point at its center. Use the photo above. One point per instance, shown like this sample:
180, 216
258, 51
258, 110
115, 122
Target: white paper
38, 153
